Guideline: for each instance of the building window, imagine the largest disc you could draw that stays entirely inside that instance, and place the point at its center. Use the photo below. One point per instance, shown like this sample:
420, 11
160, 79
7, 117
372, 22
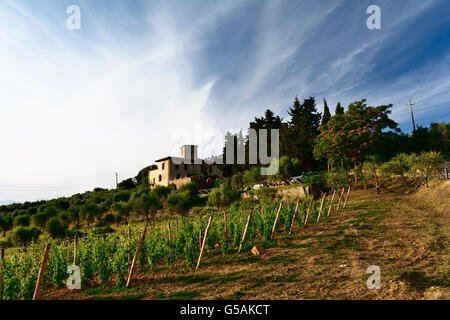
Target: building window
159, 178
185, 167
210, 169
178, 176
163, 166
177, 166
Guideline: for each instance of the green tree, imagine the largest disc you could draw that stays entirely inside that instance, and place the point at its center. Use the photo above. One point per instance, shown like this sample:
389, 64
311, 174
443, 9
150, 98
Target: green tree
252, 176
89, 212
192, 191
400, 165
55, 228
269, 121
223, 196
178, 202
121, 195
147, 204
237, 181
126, 184
142, 176
162, 191
339, 109
23, 236
371, 172
288, 167
297, 140
349, 137
326, 112
121, 211
22, 220
429, 164
74, 214
6, 223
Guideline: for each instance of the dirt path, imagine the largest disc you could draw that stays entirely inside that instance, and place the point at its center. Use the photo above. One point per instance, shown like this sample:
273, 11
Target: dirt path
407, 236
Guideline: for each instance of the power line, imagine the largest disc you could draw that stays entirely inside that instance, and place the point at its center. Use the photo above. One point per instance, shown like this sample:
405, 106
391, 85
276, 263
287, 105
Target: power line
410, 104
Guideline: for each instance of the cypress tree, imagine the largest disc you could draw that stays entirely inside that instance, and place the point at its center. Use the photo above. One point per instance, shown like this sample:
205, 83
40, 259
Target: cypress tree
339, 109
301, 132
326, 112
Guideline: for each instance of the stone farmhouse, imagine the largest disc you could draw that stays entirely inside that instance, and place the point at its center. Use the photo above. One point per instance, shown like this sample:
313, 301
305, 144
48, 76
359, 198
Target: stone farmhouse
180, 170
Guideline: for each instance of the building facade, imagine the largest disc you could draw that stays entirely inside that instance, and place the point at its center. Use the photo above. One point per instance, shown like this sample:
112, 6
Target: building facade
179, 170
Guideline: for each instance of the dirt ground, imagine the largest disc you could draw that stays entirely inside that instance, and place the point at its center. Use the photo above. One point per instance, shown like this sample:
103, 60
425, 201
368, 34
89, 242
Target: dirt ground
406, 235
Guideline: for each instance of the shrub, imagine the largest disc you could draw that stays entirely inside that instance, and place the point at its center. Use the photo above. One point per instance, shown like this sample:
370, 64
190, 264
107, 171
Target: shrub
22, 220
147, 204
428, 164
237, 181
122, 195
400, 165
266, 194
178, 202
23, 235
162, 191
6, 223
101, 230
252, 176
192, 191
56, 228
223, 196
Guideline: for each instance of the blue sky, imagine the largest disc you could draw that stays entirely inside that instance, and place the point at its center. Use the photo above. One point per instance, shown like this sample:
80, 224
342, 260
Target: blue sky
141, 78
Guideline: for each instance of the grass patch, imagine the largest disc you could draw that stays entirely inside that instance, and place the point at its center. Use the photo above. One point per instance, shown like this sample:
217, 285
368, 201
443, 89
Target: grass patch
281, 278
179, 295
104, 290
185, 279
303, 245
237, 295
348, 241
226, 278
421, 281
101, 298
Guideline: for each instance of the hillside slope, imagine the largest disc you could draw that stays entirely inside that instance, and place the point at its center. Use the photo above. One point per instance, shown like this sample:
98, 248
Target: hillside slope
407, 236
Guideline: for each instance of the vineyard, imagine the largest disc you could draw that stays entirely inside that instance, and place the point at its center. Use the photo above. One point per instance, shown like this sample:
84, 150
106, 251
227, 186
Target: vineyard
107, 259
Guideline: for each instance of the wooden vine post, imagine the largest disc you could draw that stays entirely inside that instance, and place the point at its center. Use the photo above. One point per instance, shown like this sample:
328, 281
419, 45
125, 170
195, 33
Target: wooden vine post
200, 233
37, 290
204, 243
309, 209
340, 200
245, 230
225, 223
129, 242
321, 206
170, 236
75, 250
133, 264
276, 220
346, 198
294, 216
2, 257
331, 203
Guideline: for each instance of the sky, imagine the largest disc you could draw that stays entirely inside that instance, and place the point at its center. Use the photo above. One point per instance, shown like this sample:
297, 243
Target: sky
141, 78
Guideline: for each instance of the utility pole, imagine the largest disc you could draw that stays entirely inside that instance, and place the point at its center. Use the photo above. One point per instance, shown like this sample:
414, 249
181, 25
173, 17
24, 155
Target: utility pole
117, 180
410, 104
